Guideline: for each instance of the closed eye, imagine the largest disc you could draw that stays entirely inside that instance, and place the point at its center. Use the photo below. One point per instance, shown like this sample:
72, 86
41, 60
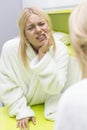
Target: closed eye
41, 24
31, 27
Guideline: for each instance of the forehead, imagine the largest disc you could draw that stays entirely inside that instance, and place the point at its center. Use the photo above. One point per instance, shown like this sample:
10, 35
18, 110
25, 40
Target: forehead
34, 18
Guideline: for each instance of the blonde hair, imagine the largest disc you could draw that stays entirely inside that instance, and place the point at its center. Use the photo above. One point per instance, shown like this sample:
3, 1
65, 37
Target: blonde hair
22, 22
78, 34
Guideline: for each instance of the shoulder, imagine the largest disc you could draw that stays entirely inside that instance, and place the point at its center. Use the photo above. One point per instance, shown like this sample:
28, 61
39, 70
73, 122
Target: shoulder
76, 89
11, 45
60, 47
57, 40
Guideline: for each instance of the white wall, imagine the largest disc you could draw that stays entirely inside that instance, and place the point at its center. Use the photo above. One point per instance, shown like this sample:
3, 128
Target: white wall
52, 4
9, 11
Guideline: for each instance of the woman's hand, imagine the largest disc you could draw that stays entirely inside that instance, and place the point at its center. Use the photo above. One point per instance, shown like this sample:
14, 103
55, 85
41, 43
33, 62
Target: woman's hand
22, 124
44, 48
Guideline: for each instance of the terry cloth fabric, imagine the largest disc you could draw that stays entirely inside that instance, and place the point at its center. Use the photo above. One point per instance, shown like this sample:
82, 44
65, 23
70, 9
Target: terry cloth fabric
63, 37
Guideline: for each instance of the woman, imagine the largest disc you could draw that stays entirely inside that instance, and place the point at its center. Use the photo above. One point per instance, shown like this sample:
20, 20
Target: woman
33, 68
72, 107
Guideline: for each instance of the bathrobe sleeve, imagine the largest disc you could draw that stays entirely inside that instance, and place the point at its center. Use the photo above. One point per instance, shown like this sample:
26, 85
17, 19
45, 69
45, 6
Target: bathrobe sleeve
52, 69
11, 92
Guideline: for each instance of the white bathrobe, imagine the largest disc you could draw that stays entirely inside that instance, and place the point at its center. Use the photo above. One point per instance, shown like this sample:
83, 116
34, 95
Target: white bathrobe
42, 82
72, 108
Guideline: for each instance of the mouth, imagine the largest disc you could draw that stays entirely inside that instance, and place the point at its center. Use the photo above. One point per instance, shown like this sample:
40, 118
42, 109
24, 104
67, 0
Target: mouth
41, 37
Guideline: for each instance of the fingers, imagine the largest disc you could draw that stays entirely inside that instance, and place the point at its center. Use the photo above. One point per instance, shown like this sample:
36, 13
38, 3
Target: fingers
47, 44
47, 36
33, 120
23, 124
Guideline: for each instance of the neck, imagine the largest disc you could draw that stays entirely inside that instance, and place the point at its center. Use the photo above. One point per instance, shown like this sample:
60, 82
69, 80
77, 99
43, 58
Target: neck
36, 50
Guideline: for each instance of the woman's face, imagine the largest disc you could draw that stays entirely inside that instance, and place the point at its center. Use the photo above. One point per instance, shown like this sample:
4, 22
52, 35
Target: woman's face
36, 31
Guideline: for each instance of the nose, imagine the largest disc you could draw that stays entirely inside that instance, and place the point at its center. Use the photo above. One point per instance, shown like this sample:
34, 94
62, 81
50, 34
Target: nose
38, 29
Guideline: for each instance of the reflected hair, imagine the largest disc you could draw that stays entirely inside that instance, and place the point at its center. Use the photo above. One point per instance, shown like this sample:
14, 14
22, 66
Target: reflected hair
78, 35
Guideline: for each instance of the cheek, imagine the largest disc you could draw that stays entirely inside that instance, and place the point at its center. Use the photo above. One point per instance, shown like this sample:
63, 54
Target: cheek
29, 36
85, 51
47, 29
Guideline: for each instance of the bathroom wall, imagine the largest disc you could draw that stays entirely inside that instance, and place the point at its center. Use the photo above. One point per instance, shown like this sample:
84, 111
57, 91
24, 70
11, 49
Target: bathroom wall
52, 4
9, 11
